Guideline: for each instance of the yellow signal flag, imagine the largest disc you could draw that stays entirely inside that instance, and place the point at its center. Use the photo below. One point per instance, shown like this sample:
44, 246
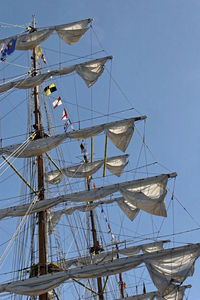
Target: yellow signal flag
50, 89
39, 51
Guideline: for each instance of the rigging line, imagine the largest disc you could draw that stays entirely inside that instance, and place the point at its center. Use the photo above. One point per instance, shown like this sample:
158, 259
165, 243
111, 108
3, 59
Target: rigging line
13, 108
163, 220
122, 92
173, 215
16, 77
140, 135
5, 95
16, 58
109, 90
97, 112
103, 115
70, 60
185, 209
24, 196
16, 83
92, 29
16, 152
76, 97
145, 155
12, 89
5, 253
91, 90
106, 232
66, 53
14, 25
16, 65
99, 117
74, 234
96, 178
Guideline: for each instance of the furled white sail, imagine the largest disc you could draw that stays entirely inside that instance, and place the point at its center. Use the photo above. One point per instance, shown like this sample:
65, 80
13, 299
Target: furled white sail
69, 33
42, 284
89, 71
130, 210
159, 183
40, 146
120, 135
177, 294
147, 198
115, 165
148, 296
55, 216
110, 255
171, 269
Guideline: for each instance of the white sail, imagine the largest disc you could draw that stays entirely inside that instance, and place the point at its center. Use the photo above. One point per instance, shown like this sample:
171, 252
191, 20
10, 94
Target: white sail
177, 294
110, 255
155, 197
54, 216
50, 260
89, 71
69, 33
115, 165
40, 146
171, 269
39, 285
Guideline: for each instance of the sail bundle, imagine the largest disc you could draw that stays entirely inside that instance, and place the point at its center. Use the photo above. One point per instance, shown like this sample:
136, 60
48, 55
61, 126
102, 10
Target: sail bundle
110, 255
89, 71
176, 294
147, 194
69, 33
166, 272
123, 131
183, 267
115, 165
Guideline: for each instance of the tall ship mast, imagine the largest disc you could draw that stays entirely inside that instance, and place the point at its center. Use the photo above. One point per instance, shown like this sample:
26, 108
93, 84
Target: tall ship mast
82, 181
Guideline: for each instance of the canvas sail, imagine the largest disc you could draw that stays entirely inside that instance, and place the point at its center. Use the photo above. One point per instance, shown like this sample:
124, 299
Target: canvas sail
38, 285
177, 294
115, 165
89, 71
69, 33
155, 197
40, 146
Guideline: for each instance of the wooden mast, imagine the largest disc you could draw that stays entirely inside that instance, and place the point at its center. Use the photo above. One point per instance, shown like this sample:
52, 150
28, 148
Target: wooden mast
42, 216
96, 247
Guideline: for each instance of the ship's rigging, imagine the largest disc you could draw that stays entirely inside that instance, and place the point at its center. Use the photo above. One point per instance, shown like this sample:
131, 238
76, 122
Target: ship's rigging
168, 268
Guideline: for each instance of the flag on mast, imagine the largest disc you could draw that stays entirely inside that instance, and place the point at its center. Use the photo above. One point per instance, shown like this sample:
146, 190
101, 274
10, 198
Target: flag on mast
11, 46
67, 124
57, 102
43, 58
64, 115
50, 89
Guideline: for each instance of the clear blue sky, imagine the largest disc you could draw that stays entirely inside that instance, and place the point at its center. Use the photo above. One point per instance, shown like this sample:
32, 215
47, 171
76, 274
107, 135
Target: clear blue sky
156, 49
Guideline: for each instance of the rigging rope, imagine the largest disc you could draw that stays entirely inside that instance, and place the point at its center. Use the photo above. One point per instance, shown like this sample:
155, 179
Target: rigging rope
5, 253
16, 152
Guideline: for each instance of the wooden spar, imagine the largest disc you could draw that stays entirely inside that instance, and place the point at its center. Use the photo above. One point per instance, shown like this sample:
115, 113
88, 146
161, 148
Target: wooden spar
86, 287
96, 247
42, 216
105, 156
91, 149
17, 172
53, 162
121, 284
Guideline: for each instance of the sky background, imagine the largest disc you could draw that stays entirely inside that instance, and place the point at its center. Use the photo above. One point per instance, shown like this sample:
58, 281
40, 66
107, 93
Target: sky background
156, 50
